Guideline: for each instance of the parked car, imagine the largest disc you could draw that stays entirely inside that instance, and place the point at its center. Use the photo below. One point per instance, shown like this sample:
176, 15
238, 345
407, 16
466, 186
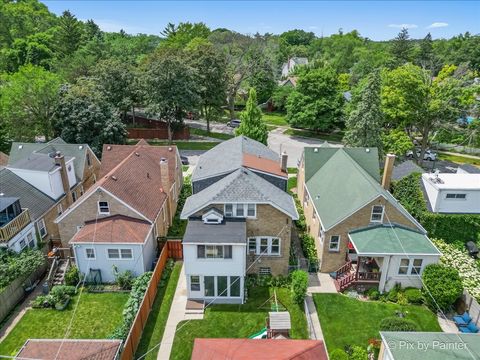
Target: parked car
429, 155
235, 123
184, 160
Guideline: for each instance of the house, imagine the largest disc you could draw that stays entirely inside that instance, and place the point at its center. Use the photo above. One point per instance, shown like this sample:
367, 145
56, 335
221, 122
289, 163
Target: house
289, 66
266, 349
239, 220
68, 349
289, 81
364, 237
59, 172
117, 222
17, 230
452, 193
428, 345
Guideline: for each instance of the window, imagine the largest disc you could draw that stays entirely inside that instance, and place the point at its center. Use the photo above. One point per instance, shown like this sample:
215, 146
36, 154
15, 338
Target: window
334, 243
59, 209
264, 245
275, 249
74, 196
222, 285
251, 211
456, 196
214, 251
194, 283
30, 241
23, 244
209, 284
234, 286
229, 210
265, 271
126, 253
227, 251
377, 213
42, 229
403, 268
113, 254
417, 267
90, 253
321, 235
89, 162
103, 207
252, 245
201, 251
240, 210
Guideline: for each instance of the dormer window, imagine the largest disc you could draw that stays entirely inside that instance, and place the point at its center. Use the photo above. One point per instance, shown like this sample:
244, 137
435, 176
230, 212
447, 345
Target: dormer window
213, 216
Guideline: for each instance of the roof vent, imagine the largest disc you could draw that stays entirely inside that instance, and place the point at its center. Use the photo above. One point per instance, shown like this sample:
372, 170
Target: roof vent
109, 148
20, 146
170, 148
114, 177
315, 150
80, 147
367, 150
161, 190
148, 175
137, 154
1, 194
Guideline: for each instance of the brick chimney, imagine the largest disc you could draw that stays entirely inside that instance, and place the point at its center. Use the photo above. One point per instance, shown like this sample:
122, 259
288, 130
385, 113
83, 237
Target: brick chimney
283, 161
60, 162
164, 174
387, 171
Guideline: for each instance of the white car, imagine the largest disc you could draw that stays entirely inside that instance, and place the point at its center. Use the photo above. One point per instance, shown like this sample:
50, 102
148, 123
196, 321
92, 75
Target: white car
429, 155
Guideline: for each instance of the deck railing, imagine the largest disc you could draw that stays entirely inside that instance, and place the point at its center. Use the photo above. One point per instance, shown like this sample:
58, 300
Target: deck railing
344, 269
369, 276
9, 230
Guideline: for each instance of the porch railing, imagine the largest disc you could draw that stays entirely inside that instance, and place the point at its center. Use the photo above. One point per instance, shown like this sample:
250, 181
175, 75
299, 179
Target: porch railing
344, 269
12, 228
369, 276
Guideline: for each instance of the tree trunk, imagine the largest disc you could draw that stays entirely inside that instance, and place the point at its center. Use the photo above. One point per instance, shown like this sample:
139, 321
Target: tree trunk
231, 105
133, 115
169, 129
207, 118
423, 148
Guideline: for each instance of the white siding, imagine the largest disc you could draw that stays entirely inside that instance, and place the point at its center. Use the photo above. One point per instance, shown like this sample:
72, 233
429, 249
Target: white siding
471, 204
39, 179
432, 194
14, 243
149, 252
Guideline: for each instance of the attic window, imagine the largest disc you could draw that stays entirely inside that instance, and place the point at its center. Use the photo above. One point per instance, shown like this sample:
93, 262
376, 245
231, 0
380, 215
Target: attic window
212, 217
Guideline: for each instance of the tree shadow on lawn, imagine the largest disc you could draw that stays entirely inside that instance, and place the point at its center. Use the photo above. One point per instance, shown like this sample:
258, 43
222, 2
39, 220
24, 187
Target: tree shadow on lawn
257, 302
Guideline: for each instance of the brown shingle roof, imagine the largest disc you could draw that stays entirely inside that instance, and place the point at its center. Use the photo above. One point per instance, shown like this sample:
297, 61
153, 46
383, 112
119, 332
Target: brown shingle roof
265, 349
263, 164
69, 349
113, 229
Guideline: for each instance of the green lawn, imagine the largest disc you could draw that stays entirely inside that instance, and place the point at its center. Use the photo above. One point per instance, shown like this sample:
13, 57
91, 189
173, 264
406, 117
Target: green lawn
292, 170
292, 183
185, 168
334, 137
347, 321
201, 132
97, 317
153, 332
237, 321
277, 119
458, 159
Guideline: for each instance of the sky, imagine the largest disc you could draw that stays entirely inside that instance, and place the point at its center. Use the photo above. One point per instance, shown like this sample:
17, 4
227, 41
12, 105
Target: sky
377, 20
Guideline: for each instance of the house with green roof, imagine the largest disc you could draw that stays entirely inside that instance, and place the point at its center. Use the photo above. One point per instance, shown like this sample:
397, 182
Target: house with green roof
364, 237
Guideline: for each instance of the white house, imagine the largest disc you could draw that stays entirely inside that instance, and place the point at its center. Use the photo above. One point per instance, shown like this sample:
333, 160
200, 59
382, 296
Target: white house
453, 193
120, 241
287, 68
17, 230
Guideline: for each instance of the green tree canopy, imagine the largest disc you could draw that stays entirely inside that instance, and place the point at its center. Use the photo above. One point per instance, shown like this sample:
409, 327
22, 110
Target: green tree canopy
252, 124
402, 48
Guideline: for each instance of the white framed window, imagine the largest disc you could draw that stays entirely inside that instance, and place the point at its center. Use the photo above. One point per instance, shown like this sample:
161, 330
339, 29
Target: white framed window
240, 210
334, 244
251, 210
321, 235
23, 244
42, 229
214, 251
59, 209
452, 196
377, 213
403, 267
264, 245
416, 267
265, 271
194, 283
228, 210
31, 242
113, 253
90, 253
103, 207
126, 254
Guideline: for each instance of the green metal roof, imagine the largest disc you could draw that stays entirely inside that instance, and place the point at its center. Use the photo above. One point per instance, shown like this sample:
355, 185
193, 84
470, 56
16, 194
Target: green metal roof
341, 181
431, 346
391, 240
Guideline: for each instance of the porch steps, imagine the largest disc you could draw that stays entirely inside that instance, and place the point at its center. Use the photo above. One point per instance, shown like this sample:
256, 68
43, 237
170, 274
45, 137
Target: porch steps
195, 307
59, 277
346, 277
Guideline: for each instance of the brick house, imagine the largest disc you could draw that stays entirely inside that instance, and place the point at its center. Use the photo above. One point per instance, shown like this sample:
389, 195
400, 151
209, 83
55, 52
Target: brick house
119, 219
48, 178
239, 220
362, 234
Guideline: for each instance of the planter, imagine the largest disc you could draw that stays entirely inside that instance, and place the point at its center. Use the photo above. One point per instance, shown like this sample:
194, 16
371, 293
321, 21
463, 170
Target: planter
61, 307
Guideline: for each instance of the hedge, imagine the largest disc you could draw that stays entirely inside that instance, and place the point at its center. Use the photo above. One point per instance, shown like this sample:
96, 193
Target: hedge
306, 240
449, 227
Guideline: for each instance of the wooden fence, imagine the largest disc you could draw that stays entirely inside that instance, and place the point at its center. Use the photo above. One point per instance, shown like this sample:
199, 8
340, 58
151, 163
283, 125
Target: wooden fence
135, 334
162, 134
473, 307
175, 249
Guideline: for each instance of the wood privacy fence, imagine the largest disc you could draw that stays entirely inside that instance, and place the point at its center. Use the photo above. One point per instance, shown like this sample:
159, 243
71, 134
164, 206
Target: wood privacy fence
473, 307
162, 134
135, 334
175, 248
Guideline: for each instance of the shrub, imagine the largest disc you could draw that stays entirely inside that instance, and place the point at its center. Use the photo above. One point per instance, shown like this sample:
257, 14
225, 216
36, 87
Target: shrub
16, 265
72, 276
397, 324
42, 301
413, 295
338, 354
358, 353
443, 284
393, 294
61, 294
123, 279
299, 285
178, 225
373, 294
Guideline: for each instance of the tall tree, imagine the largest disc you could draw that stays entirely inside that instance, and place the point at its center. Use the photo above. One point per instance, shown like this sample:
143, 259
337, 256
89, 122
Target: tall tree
426, 57
85, 116
252, 124
316, 103
170, 87
180, 36
27, 102
364, 124
69, 33
402, 48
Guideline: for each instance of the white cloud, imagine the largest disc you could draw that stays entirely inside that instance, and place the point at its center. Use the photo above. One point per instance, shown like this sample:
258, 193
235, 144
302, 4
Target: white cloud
401, 26
437, 25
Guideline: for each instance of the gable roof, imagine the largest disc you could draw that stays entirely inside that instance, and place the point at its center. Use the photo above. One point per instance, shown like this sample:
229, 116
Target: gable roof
242, 185
228, 156
267, 349
37, 202
20, 151
37, 162
341, 181
113, 229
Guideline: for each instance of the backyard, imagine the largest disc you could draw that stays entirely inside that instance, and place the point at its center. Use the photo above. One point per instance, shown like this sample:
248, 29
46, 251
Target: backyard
97, 316
347, 321
237, 321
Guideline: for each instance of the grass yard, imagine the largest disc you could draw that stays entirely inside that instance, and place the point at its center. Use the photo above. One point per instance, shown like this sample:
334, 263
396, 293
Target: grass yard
201, 132
291, 183
97, 316
458, 159
333, 137
276, 119
347, 321
153, 332
237, 321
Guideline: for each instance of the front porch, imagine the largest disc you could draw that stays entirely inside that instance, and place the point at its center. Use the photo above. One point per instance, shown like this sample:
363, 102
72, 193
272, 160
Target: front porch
358, 270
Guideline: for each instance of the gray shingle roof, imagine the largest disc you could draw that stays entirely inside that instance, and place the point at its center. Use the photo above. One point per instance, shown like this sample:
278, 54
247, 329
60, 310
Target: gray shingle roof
404, 169
37, 161
232, 231
36, 201
228, 156
242, 185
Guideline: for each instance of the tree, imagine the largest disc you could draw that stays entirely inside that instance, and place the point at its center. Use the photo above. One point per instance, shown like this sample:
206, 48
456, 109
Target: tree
69, 33
85, 116
280, 96
316, 103
252, 124
299, 286
442, 286
170, 87
364, 124
210, 65
397, 142
263, 80
179, 37
27, 102
402, 48
426, 57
